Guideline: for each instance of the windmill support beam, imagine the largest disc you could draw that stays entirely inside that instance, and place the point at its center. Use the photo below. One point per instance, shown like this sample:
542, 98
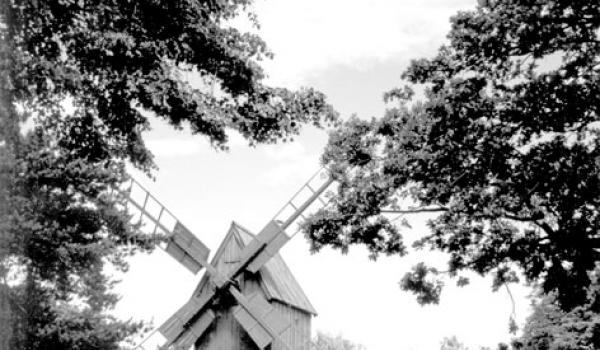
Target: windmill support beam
257, 246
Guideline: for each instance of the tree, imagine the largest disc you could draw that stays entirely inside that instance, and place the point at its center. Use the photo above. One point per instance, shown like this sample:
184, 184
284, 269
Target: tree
324, 341
503, 147
84, 77
452, 343
551, 328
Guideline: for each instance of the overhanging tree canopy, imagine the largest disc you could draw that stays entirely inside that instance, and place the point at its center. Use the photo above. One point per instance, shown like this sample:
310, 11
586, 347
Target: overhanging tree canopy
504, 146
117, 58
115, 62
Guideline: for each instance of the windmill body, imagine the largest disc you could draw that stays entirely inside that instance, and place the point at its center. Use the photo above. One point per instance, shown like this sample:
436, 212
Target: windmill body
248, 297
274, 282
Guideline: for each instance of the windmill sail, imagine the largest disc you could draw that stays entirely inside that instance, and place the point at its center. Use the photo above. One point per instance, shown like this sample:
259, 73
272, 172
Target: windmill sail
311, 192
181, 244
259, 334
273, 236
189, 337
263, 323
173, 327
186, 248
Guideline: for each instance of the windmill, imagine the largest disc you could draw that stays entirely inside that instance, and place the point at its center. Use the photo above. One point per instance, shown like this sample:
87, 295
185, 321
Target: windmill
228, 298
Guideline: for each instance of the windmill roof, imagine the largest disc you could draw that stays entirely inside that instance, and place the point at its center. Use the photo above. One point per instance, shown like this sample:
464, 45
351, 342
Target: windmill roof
276, 279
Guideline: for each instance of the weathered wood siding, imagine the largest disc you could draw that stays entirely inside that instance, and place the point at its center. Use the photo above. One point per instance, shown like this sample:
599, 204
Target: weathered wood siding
298, 336
226, 333
230, 255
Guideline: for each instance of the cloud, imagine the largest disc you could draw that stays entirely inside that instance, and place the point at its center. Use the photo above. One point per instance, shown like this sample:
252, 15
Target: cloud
311, 35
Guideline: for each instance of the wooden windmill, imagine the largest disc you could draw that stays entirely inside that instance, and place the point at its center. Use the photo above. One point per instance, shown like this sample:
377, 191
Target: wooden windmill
248, 298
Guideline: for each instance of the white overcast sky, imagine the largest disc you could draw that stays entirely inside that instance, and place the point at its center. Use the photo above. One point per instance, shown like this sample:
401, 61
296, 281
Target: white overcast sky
353, 51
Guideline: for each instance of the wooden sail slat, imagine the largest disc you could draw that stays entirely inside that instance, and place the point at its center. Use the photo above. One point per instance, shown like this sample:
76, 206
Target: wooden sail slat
260, 319
175, 326
277, 241
193, 249
259, 334
191, 334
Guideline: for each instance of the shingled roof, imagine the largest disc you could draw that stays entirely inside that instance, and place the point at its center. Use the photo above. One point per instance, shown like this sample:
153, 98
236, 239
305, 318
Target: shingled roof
276, 279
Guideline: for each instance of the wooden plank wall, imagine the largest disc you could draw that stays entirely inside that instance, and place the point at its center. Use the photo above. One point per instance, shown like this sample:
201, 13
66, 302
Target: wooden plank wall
230, 257
298, 336
226, 334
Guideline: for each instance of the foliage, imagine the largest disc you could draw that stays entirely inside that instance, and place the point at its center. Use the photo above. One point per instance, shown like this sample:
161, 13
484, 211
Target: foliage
78, 81
428, 291
63, 228
116, 59
452, 343
503, 147
551, 328
324, 341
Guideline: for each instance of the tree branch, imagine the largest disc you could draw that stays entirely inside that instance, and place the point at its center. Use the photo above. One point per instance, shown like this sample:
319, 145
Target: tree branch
513, 314
532, 219
414, 211
521, 218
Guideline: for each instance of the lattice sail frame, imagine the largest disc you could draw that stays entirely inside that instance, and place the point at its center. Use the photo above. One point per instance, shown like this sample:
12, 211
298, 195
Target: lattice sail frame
310, 197
181, 243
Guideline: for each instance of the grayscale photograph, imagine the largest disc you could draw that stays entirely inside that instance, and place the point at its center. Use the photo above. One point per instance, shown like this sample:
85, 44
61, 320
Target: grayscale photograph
299, 175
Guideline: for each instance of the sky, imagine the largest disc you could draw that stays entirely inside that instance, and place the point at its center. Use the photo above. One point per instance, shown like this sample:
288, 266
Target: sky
353, 51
